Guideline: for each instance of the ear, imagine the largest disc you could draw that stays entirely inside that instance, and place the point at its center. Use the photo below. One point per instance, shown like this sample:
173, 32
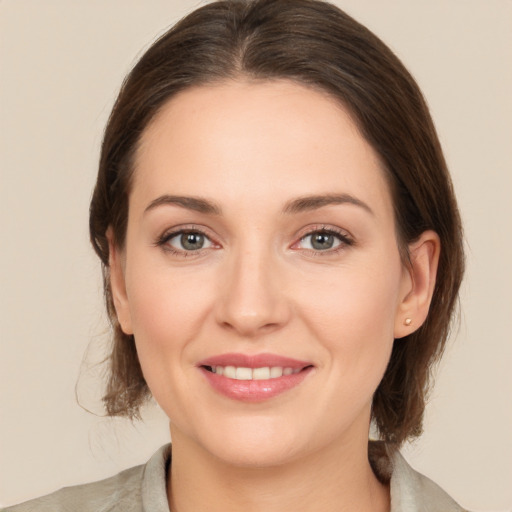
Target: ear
117, 284
418, 284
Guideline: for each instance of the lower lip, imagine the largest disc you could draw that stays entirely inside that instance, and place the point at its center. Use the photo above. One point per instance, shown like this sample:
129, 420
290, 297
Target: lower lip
254, 390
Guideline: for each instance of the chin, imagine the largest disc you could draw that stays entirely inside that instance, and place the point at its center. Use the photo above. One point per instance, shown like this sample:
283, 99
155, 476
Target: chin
253, 444
251, 455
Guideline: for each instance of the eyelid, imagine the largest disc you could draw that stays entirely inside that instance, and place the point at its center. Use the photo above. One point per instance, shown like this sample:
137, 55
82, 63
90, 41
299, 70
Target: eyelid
178, 237
163, 239
343, 236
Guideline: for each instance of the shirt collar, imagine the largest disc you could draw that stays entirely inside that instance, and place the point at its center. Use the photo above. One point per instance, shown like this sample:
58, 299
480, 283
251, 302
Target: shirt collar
410, 491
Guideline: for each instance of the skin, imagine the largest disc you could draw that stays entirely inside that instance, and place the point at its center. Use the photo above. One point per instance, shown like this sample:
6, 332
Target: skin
259, 286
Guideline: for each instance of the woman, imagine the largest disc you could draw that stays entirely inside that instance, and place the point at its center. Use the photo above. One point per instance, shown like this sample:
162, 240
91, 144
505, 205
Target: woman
282, 253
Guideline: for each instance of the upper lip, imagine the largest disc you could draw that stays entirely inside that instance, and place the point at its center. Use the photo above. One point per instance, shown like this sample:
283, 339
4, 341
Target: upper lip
254, 361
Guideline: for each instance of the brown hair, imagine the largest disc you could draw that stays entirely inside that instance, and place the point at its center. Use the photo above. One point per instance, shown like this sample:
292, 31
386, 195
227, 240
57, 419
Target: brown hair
313, 43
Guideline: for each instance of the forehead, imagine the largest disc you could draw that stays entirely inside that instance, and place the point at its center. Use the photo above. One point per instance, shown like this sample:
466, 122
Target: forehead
254, 139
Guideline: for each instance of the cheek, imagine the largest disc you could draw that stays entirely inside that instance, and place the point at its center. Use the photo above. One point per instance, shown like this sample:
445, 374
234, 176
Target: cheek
352, 314
164, 303
168, 310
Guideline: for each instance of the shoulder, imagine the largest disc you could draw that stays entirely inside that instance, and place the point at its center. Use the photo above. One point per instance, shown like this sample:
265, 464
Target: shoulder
412, 491
120, 492
123, 492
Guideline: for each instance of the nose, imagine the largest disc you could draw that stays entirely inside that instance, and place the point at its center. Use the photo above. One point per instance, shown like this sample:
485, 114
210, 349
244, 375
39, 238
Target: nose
252, 300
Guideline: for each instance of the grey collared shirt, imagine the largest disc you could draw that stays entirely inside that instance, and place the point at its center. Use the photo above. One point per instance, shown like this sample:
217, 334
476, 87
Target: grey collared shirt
143, 489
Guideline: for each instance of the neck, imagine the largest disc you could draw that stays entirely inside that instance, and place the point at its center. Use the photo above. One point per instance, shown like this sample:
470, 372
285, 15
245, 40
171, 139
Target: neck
338, 479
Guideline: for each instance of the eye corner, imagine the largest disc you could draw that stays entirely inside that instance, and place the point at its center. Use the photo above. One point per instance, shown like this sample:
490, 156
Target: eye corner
186, 241
330, 240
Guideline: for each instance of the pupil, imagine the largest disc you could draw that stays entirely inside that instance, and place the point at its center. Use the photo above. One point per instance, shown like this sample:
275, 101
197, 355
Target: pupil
322, 241
192, 241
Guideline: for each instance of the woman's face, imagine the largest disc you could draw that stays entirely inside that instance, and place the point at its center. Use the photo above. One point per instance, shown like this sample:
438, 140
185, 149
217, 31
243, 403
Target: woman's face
260, 245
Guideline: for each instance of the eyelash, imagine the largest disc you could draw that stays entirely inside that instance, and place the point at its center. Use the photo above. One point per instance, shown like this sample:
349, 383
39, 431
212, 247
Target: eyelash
165, 238
344, 239
342, 236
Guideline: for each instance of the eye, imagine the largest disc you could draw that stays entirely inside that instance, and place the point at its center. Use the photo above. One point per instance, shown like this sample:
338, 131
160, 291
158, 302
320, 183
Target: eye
323, 240
188, 241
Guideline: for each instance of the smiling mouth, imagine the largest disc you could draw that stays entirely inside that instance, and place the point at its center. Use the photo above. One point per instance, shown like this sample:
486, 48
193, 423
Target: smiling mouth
254, 378
262, 373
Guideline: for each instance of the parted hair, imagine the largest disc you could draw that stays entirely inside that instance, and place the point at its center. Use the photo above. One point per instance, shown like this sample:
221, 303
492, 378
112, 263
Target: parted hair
310, 42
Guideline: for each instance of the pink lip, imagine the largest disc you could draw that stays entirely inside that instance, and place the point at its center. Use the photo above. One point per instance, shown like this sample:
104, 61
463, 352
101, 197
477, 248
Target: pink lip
254, 361
254, 390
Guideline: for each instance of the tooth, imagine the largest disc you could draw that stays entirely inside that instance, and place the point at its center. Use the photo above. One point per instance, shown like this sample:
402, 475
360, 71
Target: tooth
261, 373
276, 371
243, 373
230, 372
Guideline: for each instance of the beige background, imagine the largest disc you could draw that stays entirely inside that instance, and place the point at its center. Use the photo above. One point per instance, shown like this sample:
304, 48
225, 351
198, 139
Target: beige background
61, 64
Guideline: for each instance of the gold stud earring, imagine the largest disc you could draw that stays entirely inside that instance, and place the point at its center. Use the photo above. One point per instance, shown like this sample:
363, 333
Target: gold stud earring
408, 321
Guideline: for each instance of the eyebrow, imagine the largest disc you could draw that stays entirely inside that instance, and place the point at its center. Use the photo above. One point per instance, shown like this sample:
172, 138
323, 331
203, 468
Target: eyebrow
197, 204
307, 203
298, 205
